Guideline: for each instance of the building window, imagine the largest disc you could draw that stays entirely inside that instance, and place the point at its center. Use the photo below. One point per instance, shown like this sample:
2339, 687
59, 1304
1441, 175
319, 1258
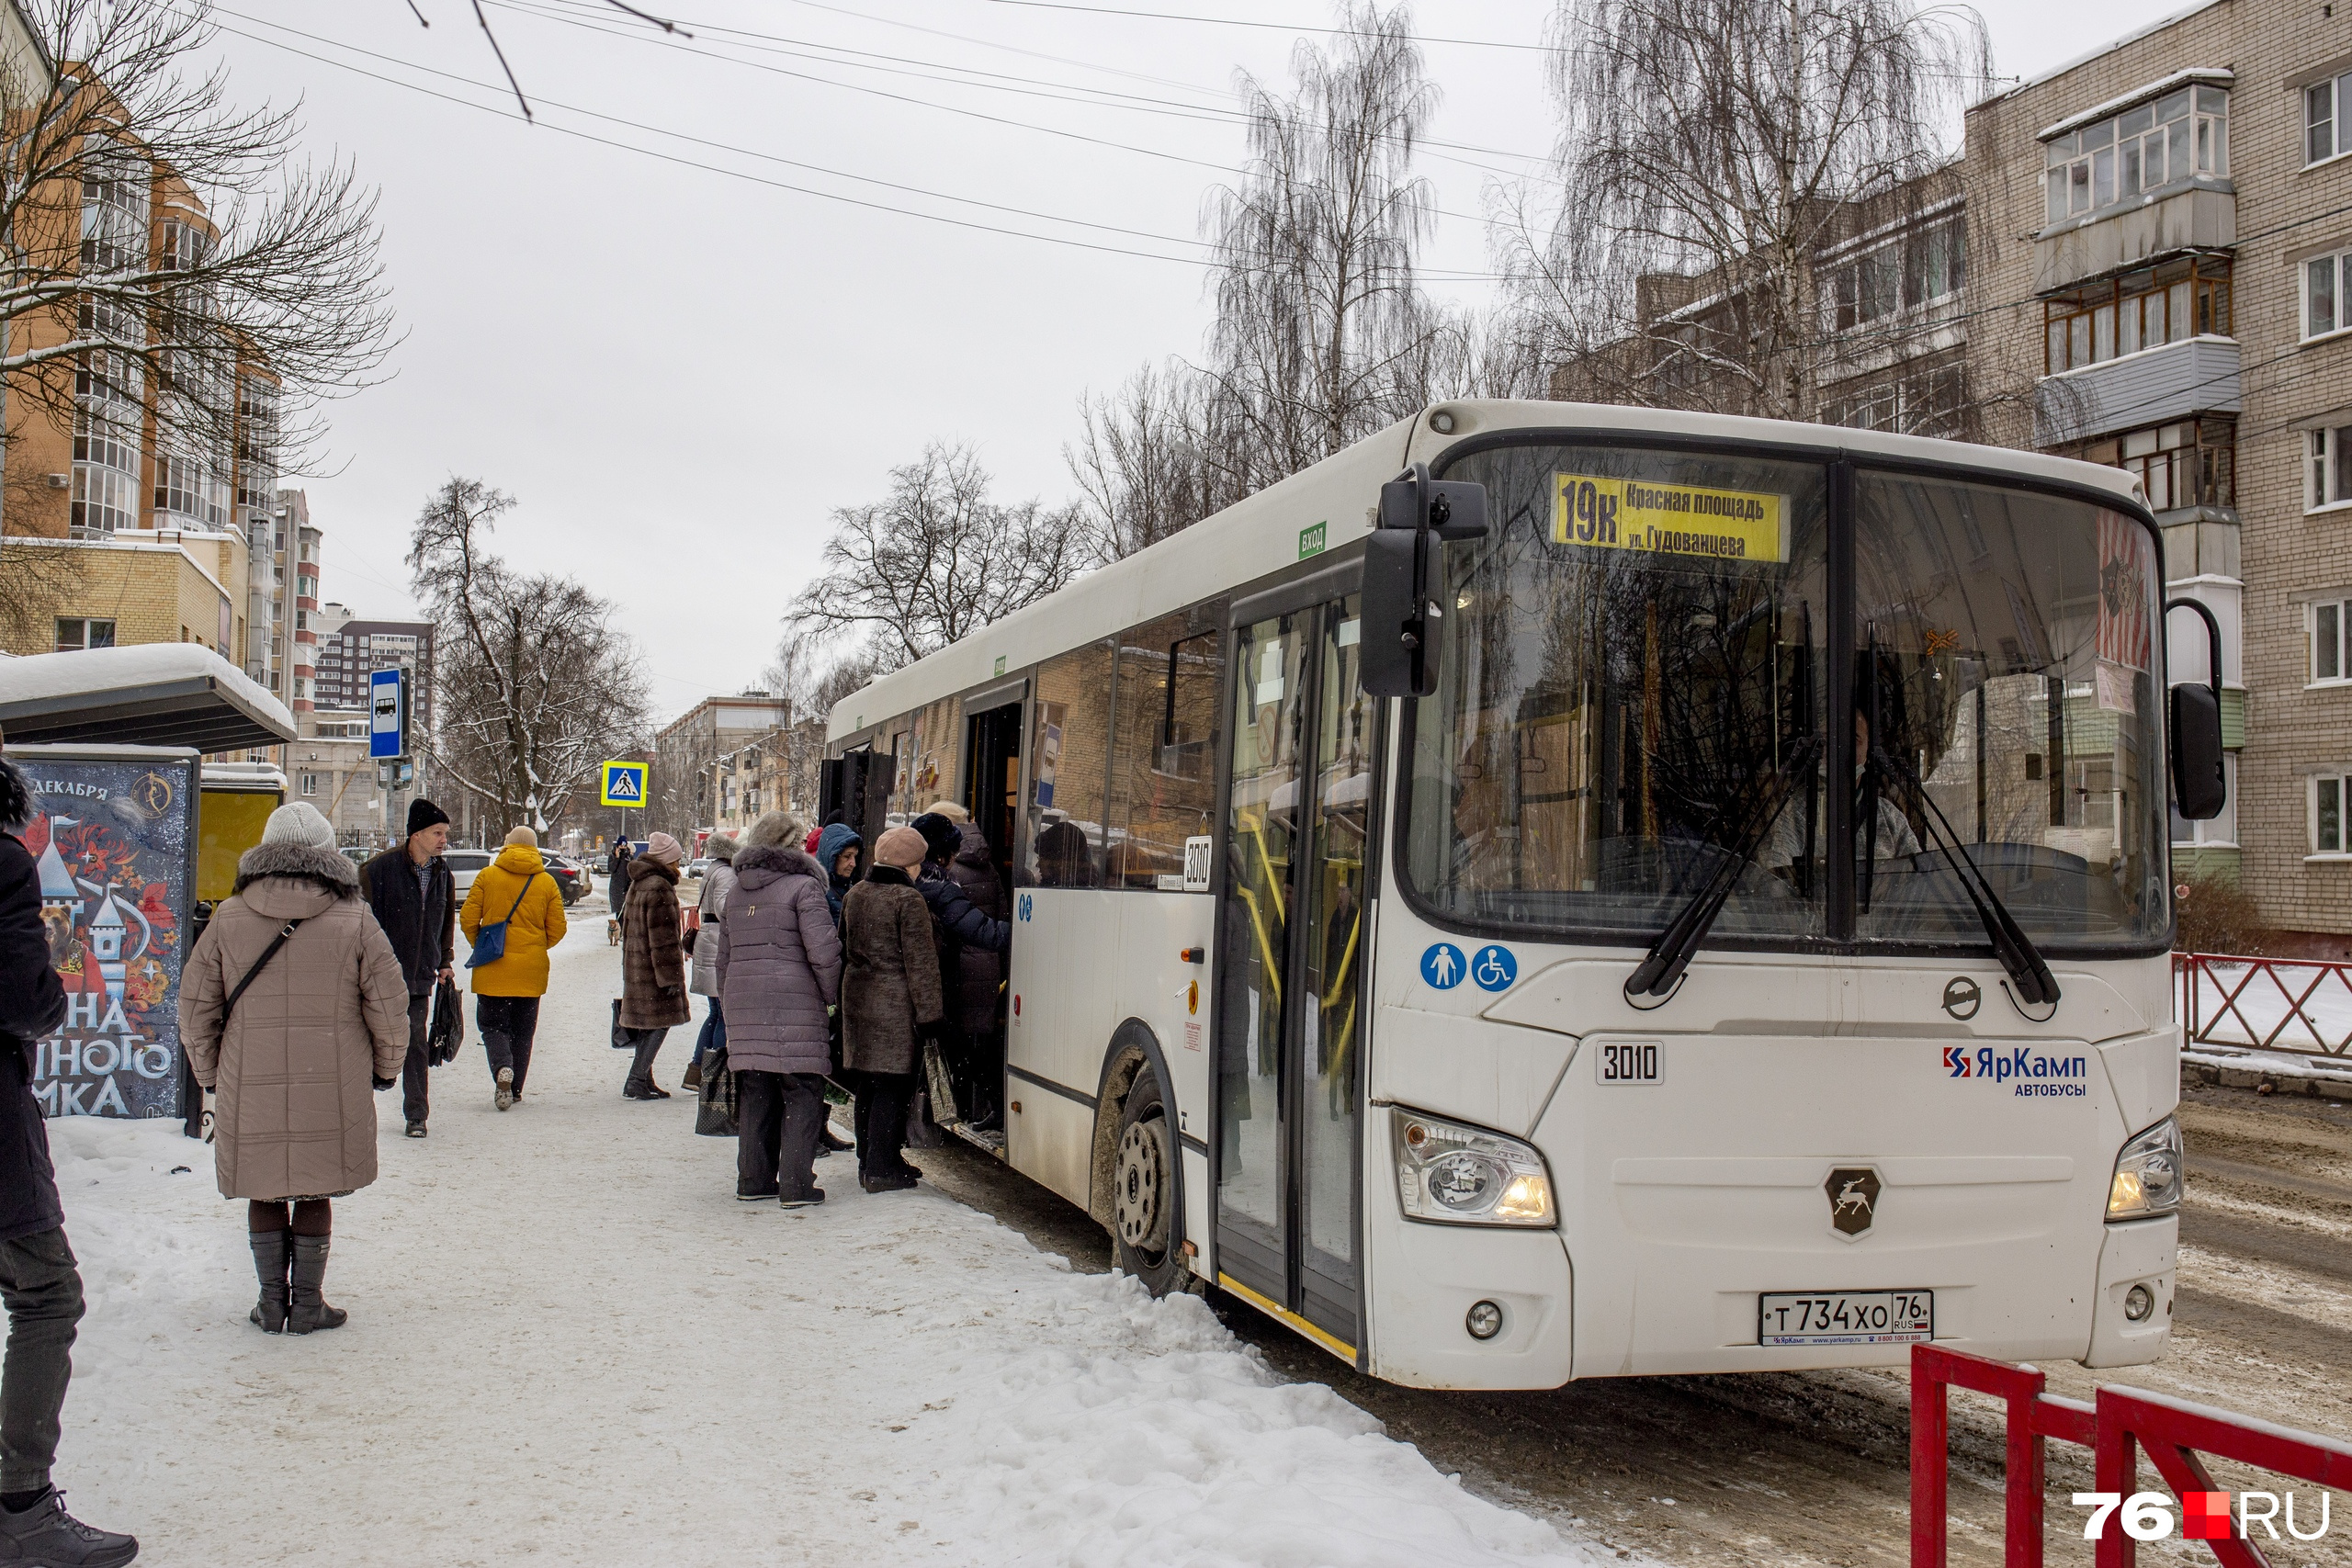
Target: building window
2326, 107
2327, 468
2329, 622
2192, 462
2140, 310
108, 411
1921, 268
1928, 403
77, 633
2181, 136
2325, 288
2327, 814
309, 783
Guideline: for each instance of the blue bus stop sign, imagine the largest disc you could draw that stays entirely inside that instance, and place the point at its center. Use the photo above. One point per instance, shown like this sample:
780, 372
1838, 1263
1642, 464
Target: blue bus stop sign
387, 714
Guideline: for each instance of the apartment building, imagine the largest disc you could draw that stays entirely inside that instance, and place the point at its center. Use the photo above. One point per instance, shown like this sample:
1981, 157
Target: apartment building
2162, 263
350, 649
686, 780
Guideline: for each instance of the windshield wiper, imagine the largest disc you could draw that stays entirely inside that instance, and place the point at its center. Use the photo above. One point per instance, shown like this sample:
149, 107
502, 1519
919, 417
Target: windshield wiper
1661, 969
2036, 985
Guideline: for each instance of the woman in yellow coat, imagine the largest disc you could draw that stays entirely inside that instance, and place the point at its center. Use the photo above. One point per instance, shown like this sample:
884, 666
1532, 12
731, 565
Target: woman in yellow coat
518, 888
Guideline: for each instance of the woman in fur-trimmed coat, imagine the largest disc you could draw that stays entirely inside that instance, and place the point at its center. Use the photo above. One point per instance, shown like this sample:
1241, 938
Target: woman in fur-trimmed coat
293, 1062
779, 965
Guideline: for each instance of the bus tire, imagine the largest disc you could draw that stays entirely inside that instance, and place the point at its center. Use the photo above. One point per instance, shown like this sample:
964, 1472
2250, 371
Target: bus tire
1146, 1223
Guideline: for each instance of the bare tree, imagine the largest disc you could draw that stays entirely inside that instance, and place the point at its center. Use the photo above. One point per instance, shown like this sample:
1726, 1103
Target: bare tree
536, 685
161, 236
935, 560
1143, 465
1710, 150
1321, 334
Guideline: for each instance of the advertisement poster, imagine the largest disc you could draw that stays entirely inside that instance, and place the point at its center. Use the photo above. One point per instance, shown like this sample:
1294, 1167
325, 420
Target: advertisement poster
112, 838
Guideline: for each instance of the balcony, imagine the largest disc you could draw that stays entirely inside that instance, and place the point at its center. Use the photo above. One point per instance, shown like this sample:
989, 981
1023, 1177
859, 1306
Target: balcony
2198, 375
2199, 216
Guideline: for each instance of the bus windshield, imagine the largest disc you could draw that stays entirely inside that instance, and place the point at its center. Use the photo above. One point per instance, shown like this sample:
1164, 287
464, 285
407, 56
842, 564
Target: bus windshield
1637, 685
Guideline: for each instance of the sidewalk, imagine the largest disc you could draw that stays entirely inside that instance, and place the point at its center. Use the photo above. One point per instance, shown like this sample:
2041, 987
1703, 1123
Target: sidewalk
569, 1344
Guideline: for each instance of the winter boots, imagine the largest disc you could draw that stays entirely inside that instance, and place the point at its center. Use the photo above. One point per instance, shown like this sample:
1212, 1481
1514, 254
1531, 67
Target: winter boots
46, 1533
506, 1087
271, 1254
306, 1310
694, 1074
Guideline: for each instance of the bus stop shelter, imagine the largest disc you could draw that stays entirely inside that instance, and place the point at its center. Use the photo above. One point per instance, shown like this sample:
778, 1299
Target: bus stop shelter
170, 694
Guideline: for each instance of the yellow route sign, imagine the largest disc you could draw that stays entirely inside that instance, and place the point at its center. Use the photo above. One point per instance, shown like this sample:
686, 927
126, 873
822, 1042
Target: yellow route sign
1668, 519
623, 783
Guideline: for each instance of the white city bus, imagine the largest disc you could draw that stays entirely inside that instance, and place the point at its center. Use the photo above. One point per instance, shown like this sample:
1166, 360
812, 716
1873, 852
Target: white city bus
1750, 952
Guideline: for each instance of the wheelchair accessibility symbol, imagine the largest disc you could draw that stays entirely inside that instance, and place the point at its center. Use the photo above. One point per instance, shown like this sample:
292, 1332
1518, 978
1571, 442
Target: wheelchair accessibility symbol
1494, 968
1443, 965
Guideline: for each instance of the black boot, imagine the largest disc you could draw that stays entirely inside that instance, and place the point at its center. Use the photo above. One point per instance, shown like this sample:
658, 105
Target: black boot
307, 1309
270, 1256
45, 1532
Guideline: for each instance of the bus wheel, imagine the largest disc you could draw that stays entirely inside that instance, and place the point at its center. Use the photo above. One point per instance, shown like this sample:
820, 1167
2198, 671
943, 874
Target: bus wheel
1143, 1196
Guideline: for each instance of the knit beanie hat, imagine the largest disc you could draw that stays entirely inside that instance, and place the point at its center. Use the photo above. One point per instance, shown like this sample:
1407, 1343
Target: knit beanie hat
423, 814
950, 810
298, 824
902, 847
523, 836
664, 849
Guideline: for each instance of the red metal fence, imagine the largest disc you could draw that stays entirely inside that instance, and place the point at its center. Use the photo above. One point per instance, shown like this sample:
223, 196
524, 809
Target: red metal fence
2271, 1004
2175, 1433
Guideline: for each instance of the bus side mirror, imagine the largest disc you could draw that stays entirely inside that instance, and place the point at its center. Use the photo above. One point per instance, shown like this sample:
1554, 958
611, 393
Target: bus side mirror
2200, 788
1401, 572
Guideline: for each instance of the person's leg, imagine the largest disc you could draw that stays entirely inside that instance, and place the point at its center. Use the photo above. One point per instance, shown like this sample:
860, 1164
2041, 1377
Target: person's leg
412, 1071
265, 1226
887, 1127
861, 1113
641, 1071
759, 1124
804, 1115
492, 1016
43, 1290
306, 1308
522, 1029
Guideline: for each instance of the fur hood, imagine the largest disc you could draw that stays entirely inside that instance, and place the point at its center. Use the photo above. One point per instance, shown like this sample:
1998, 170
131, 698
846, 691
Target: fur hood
779, 859
326, 868
18, 804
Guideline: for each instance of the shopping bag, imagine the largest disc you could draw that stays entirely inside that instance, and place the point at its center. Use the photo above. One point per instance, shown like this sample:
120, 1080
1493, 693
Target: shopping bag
715, 1110
941, 1088
448, 1031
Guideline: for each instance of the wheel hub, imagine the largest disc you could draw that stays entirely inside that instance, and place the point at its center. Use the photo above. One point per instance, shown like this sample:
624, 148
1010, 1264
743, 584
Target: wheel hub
1139, 1188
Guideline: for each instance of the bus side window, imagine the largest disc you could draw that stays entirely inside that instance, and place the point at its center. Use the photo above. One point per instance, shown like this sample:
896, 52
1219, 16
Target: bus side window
1163, 788
1070, 754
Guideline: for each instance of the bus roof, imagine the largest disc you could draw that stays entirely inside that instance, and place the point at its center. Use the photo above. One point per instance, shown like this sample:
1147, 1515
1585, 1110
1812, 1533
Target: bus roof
1260, 536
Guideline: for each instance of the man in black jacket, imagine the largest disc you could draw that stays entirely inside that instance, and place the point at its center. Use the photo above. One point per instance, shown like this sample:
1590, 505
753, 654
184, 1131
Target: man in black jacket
39, 1279
415, 900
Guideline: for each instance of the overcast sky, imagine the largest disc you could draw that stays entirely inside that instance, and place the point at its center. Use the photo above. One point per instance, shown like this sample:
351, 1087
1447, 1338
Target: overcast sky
678, 371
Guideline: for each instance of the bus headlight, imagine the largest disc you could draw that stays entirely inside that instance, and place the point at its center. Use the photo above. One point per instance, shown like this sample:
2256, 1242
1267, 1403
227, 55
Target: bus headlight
1468, 1176
2147, 1174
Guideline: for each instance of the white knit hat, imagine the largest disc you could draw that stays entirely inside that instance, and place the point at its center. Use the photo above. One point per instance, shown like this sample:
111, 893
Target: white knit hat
298, 824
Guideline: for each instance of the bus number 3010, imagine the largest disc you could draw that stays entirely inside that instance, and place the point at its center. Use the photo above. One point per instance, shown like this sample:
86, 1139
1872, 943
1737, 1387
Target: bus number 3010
1636, 1061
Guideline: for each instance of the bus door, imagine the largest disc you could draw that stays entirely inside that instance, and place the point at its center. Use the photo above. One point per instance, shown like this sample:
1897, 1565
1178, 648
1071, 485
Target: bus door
993, 770
1290, 1022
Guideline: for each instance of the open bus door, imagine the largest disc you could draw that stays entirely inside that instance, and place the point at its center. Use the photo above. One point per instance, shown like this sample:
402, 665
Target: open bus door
1290, 1022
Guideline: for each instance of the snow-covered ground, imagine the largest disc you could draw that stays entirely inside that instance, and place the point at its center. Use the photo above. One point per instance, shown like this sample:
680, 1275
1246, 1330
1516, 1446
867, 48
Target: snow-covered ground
570, 1344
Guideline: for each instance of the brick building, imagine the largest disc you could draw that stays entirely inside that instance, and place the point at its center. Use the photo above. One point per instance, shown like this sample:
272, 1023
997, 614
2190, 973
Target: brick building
2159, 234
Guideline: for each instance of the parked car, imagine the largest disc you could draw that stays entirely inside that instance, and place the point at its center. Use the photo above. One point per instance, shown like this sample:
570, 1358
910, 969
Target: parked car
698, 866
569, 879
466, 864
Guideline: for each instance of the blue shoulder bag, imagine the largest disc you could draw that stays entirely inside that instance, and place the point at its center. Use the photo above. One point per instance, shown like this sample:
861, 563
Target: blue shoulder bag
489, 942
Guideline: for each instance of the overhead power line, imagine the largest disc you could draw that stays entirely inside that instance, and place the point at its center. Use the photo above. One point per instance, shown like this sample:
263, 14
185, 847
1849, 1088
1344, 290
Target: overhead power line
1433, 274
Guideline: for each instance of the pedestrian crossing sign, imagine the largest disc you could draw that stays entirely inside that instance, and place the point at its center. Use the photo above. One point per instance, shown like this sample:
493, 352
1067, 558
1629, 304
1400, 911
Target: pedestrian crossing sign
624, 784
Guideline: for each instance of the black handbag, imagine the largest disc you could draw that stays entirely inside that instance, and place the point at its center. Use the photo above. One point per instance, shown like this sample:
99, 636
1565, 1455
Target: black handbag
448, 1031
715, 1109
621, 1042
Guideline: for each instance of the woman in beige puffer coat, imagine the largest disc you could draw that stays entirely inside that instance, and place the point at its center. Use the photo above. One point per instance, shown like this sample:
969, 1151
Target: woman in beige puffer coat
324, 1021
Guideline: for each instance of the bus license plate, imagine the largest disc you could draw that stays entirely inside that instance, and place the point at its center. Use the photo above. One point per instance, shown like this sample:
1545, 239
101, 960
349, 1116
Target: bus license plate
1846, 1318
